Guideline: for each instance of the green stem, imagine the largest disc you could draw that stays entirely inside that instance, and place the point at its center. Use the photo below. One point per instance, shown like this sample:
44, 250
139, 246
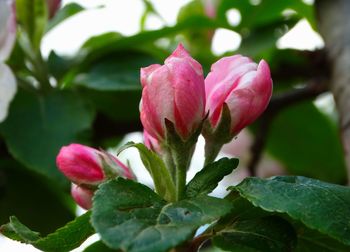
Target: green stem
180, 182
39, 66
41, 71
169, 161
182, 161
212, 150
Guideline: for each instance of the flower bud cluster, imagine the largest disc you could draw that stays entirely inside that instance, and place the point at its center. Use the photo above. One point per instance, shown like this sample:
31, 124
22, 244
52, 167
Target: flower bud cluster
178, 92
86, 168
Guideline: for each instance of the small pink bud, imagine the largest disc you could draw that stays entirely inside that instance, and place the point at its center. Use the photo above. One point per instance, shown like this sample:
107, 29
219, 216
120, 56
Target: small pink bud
7, 28
150, 142
53, 6
85, 165
173, 91
82, 196
244, 86
210, 7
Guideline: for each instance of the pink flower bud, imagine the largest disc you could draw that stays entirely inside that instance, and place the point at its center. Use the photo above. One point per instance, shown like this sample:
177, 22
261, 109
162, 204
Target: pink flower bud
173, 91
53, 6
82, 196
210, 7
150, 142
243, 85
7, 28
85, 165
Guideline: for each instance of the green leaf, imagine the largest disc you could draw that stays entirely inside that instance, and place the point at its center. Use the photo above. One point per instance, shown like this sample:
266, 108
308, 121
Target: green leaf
306, 153
311, 240
38, 126
265, 234
101, 41
163, 182
120, 72
318, 205
67, 11
32, 16
111, 83
64, 239
21, 189
58, 65
207, 179
118, 43
131, 217
99, 246
125, 105
266, 12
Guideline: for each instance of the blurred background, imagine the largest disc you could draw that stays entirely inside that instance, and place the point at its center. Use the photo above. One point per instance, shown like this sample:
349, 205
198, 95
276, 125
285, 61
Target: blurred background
91, 52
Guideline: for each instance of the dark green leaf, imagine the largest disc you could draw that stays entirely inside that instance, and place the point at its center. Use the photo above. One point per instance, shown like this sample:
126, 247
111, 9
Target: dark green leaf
64, 13
206, 180
163, 182
266, 234
117, 43
114, 82
63, 239
311, 240
99, 246
101, 41
124, 104
32, 200
120, 72
308, 151
265, 12
58, 66
318, 205
38, 126
260, 42
131, 217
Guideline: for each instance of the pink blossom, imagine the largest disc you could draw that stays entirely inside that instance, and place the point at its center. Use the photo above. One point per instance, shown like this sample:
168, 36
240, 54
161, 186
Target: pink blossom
173, 91
150, 142
7, 28
53, 6
243, 85
82, 196
210, 7
85, 165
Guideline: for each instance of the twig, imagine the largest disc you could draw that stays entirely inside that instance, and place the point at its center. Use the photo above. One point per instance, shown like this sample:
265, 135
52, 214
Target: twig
278, 103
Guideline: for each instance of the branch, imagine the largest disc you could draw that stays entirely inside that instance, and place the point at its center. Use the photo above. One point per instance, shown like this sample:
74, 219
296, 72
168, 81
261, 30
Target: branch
278, 103
334, 24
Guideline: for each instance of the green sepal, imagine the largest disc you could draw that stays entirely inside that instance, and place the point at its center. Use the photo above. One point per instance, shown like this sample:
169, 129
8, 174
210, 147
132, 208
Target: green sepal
215, 138
110, 168
32, 16
181, 151
163, 182
181, 148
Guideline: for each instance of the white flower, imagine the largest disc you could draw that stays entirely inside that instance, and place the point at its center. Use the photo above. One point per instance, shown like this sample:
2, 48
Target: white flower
8, 88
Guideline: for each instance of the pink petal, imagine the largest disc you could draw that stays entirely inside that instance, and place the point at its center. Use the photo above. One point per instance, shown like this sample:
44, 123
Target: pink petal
158, 102
80, 164
7, 29
53, 6
146, 74
82, 196
250, 98
224, 78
